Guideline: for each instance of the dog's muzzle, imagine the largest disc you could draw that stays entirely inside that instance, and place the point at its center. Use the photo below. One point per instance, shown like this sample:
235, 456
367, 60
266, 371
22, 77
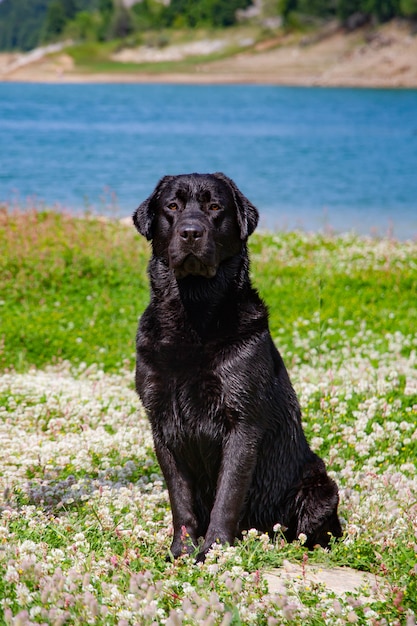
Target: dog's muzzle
192, 253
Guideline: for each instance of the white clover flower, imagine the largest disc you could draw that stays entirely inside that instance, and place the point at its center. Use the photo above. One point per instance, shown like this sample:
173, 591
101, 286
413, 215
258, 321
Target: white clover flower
126, 614
237, 570
23, 594
11, 575
4, 534
29, 546
35, 611
317, 442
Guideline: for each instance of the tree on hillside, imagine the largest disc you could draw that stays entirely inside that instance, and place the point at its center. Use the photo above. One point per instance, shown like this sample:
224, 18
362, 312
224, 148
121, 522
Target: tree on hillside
286, 7
55, 20
346, 8
121, 23
24, 24
319, 8
58, 14
106, 9
224, 13
70, 8
21, 23
409, 8
383, 10
83, 27
194, 13
149, 14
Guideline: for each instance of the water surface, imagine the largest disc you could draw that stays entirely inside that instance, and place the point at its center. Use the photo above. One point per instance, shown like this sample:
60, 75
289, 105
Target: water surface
307, 157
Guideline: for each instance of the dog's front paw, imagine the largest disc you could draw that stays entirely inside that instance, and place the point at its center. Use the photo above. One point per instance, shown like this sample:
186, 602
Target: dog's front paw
212, 539
201, 557
183, 543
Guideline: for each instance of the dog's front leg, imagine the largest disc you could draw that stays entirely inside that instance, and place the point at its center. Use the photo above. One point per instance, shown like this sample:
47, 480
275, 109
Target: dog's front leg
238, 462
180, 495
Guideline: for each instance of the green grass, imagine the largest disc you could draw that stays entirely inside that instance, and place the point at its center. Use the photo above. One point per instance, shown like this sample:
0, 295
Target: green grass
102, 64
84, 515
95, 57
70, 290
74, 289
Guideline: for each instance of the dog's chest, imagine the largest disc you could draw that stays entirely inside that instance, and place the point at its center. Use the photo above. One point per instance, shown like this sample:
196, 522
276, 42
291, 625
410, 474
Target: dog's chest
198, 426
185, 392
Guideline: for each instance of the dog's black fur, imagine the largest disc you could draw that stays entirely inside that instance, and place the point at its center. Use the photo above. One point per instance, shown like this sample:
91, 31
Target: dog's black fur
225, 419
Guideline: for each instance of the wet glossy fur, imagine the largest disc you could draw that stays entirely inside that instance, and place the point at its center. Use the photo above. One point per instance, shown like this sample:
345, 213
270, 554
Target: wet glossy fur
225, 418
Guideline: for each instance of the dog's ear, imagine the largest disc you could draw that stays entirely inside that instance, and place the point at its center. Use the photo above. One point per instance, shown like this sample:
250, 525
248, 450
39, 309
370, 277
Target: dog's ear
143, 217
247, 213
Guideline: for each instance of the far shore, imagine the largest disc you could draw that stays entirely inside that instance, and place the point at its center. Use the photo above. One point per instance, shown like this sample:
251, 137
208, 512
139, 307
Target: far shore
385, 57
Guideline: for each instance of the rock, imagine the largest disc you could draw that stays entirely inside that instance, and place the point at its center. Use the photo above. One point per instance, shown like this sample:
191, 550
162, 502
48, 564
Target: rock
341, 580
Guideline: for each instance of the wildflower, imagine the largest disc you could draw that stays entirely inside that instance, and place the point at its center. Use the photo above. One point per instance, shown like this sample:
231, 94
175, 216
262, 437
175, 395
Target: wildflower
28, 546
12, 574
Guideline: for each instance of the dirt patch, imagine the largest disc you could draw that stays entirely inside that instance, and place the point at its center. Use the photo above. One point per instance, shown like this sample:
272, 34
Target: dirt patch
48, 68
149, 54
383, 58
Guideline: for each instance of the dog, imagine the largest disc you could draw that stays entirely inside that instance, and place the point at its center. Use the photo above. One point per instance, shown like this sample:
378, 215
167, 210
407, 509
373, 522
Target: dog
225, 419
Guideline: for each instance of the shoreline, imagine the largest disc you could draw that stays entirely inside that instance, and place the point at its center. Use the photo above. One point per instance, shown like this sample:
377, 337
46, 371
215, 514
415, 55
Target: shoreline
385, 57
213, 79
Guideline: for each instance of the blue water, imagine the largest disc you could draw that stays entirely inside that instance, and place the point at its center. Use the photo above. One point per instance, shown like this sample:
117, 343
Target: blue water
307, 157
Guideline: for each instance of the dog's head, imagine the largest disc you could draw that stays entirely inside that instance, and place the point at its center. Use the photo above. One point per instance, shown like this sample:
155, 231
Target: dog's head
195, 222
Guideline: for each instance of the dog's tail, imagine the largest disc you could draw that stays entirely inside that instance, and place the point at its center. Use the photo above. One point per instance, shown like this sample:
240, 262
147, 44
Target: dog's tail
315, 506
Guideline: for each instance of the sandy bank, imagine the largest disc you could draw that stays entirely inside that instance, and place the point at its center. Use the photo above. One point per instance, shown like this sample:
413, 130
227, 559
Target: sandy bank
383, 57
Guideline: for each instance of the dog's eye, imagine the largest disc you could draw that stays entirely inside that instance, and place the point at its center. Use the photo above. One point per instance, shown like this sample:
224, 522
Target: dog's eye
173, 206
214, 207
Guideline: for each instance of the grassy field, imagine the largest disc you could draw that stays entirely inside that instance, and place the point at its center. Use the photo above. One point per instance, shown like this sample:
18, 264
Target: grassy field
85, 520
95, 57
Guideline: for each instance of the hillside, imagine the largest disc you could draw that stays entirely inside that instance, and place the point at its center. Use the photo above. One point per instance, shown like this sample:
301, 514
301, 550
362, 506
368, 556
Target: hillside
384, 56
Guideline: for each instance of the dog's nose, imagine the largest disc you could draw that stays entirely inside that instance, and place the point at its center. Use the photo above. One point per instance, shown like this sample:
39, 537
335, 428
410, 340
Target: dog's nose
191, 233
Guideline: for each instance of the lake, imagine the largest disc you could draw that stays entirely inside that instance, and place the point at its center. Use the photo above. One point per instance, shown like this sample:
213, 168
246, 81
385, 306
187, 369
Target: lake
307, 157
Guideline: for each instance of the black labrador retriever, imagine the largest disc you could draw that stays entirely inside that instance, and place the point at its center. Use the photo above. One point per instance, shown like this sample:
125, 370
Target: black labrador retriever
225, 419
